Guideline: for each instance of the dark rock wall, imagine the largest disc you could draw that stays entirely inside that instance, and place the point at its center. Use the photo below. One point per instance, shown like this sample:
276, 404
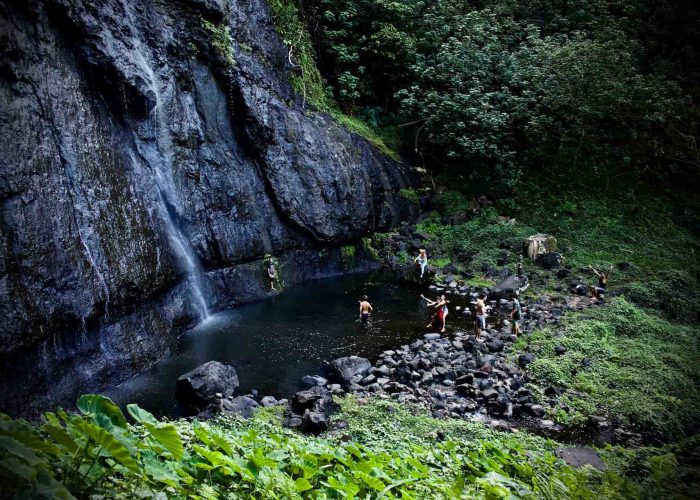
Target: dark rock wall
146, 168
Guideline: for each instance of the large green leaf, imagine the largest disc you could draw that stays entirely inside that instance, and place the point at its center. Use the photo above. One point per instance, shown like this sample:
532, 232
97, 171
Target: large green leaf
61, 436
96, 404
302, 484
18, 449
164, 433
108, 442
141, 415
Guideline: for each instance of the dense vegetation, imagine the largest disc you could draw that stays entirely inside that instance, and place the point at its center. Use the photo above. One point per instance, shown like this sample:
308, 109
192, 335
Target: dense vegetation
392, 451
498, 88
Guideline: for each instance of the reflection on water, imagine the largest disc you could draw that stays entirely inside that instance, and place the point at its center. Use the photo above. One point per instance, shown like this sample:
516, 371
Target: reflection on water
273, 343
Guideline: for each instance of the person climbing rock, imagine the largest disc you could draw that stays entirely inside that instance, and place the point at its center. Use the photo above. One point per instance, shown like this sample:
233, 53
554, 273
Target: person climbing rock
516, 315
365, 310
271, 273
441, 311
480, 316
597, 291
422, 260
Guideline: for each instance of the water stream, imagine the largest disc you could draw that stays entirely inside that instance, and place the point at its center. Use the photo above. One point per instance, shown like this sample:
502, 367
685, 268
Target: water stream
164, 182
273, 343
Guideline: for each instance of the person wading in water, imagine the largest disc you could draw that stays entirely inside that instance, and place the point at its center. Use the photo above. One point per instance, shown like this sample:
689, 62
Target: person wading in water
422, 260
365, 310
597, 291
441, 311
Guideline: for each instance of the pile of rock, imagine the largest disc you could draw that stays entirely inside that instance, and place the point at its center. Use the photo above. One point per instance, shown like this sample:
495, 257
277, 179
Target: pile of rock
208, 390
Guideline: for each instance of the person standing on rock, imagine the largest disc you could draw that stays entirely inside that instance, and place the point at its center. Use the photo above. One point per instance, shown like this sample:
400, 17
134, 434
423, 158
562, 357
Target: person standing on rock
441, 311
516, 315
365, 310
422, 260
480, 316
271, 273
597, 291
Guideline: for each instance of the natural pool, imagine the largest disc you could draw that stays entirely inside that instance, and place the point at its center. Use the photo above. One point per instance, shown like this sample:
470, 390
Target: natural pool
273, 343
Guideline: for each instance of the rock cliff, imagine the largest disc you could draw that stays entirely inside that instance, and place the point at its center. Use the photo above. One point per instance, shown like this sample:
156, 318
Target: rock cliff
152, 153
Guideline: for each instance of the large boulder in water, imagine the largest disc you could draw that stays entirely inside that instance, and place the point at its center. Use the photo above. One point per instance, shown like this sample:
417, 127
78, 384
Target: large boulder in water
507, 288
344, 369
199, 387
539, 244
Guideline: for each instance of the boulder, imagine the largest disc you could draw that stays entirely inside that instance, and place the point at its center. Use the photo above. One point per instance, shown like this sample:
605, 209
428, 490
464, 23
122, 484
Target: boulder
242, 406
344, 369
314, 399
268, 401
199, 387
314, 422
507, 288
539, 244
525, 359
313, 380
550, 260
578, 456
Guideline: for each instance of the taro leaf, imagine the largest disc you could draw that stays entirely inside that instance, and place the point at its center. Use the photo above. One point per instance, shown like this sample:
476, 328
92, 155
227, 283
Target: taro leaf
96, 404
108, 442
302, 484
202, 433
141, 415
33, 440
61, 436
371, 481
19, 469
162, 472
165, 434
14, 447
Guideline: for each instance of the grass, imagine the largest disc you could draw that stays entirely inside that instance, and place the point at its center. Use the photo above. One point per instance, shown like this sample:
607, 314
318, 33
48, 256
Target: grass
644, 370
309, 83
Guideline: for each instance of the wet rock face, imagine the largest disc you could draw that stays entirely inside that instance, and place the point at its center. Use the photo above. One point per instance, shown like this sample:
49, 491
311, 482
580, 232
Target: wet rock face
146, 168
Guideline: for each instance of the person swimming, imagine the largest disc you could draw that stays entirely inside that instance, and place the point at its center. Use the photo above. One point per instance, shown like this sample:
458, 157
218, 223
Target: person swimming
365, 310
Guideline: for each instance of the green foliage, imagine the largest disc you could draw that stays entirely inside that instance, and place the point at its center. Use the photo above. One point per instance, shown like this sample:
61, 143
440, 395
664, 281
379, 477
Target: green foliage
395, 453
347, 254
498, 88
644, 369
308, 81
673, 292
476, 241
221, 40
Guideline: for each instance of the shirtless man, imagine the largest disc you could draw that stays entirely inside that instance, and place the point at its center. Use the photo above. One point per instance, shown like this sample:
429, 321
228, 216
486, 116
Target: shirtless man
481, 309
597, 291
365, 310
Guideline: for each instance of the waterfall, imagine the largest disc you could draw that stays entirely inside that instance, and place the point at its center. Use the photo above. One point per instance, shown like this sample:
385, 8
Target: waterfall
165, 185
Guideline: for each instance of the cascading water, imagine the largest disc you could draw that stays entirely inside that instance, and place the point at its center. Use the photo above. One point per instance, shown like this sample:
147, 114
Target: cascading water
164, 181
